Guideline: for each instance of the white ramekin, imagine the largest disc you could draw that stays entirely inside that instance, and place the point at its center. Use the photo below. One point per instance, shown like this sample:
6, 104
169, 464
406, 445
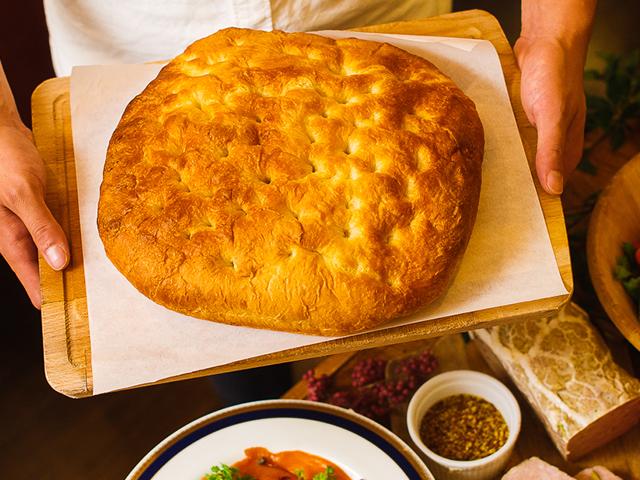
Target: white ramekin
470, 382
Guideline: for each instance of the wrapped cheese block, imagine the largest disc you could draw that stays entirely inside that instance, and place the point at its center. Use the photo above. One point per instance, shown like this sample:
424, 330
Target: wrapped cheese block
567, 374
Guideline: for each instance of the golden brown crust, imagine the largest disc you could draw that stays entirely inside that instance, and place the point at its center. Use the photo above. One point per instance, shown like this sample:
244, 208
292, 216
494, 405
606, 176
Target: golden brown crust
293, 182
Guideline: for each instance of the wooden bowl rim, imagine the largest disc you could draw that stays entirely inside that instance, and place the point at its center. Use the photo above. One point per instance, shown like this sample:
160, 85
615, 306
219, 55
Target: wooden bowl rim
616, 301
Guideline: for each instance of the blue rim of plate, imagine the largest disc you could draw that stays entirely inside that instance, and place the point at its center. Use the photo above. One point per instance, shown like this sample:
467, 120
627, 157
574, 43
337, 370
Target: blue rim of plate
388, 442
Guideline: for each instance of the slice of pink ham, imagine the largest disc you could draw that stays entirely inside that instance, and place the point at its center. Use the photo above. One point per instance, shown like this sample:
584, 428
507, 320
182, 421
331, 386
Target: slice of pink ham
534, 469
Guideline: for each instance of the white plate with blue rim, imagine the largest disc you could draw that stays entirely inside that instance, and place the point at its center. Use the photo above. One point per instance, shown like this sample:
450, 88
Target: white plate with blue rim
364, 449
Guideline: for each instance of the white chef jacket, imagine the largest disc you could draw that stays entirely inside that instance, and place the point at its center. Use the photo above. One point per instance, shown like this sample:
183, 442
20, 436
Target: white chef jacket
90, 32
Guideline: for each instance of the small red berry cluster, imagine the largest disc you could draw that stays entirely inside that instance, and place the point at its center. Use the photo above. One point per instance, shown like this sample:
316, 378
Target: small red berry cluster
372, 395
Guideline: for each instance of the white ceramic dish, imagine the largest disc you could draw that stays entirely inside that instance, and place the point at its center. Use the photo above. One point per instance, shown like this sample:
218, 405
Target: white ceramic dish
362, 448
475, 383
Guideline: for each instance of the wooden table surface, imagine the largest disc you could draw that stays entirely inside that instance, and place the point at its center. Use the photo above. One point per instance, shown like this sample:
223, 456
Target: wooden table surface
66, 335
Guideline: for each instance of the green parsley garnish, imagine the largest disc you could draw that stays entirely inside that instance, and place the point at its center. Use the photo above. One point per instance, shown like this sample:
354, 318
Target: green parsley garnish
232, 473
328, 474
227, 473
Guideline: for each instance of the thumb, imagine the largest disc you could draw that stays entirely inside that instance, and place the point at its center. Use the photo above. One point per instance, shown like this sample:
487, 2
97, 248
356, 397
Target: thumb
48, 236
43, 228
550, 155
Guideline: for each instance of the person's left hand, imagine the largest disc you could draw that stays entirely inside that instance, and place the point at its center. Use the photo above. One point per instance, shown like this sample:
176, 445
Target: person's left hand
553, 98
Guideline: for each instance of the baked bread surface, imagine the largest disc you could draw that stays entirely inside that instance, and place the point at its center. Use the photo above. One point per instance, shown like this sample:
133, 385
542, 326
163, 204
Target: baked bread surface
293, 182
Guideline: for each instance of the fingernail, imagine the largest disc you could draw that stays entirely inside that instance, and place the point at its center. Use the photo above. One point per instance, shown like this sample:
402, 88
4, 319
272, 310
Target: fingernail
56, 257
555, 182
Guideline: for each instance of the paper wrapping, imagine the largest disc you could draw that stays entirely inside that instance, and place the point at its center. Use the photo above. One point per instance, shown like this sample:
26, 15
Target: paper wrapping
135, 341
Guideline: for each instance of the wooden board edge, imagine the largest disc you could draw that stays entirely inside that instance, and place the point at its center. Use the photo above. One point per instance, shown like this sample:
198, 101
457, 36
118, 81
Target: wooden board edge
66, 345
349, 346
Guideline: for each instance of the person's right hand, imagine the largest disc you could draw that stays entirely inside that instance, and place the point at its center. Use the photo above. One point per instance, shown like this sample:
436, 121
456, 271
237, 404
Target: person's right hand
26, 224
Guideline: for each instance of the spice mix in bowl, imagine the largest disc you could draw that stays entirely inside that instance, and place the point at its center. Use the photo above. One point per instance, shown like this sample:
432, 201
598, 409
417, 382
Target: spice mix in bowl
465, 424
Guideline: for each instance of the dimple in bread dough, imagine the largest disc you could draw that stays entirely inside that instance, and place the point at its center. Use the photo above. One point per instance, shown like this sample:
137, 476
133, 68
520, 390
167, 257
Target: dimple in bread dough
293, 182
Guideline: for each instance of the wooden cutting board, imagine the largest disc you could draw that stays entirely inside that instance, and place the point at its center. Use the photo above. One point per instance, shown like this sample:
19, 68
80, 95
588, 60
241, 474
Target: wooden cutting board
66, 336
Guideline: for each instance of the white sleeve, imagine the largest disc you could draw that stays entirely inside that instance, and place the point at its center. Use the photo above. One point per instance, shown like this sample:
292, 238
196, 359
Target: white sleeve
89, 32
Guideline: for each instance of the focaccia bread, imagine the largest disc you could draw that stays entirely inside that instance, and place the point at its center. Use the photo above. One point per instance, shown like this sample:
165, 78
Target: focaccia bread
293, 182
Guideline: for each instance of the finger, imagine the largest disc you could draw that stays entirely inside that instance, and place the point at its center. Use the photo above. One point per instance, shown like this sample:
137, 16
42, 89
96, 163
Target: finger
18, 249
45, 231
550, 155
25, 200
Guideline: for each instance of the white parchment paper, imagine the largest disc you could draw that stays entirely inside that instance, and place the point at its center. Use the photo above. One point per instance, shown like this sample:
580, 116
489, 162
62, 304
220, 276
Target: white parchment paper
135, 341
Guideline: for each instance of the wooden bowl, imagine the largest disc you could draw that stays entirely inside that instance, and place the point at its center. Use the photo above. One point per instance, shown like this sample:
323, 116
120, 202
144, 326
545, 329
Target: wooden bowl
616, 219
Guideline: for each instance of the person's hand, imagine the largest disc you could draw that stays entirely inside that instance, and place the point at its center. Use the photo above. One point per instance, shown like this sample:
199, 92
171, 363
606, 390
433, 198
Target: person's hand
554, 101
26, 224
551, 53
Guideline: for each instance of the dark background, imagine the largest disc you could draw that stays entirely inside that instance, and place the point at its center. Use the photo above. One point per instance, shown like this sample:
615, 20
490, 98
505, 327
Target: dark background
46, 435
